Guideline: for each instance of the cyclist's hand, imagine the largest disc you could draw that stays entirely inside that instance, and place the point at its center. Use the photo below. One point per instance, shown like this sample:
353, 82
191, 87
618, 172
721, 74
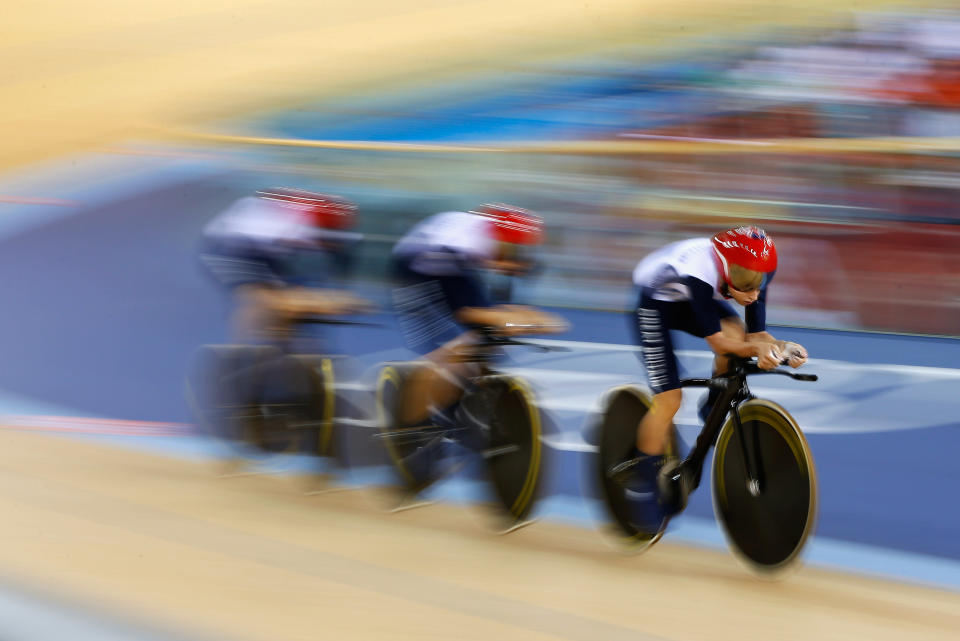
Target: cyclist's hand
795, 354
768, 355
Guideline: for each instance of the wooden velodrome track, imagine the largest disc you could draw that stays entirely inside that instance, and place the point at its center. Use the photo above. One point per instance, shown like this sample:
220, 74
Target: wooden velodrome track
169, 543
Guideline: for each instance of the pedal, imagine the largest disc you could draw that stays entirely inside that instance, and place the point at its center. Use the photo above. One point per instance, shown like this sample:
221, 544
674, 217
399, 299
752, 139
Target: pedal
675, 483
621, 471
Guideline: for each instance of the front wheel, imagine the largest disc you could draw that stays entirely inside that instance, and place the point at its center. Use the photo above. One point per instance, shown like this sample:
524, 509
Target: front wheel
766, 515
513, 451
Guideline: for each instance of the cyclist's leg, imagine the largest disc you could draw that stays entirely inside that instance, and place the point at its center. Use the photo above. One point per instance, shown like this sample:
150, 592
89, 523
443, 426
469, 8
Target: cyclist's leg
652, 327
652, 332
654, 429
439, 384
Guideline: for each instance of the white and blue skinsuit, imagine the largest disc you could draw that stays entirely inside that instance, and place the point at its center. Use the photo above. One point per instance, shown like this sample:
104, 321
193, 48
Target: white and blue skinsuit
437, 264
680, 289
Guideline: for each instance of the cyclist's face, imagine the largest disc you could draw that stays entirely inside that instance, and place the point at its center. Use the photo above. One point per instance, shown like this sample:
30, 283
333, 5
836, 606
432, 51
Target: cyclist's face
743, 298
510, 259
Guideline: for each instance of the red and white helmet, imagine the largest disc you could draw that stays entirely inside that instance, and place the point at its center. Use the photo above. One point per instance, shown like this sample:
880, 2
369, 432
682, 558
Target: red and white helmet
323, 210
749, 247
513, 224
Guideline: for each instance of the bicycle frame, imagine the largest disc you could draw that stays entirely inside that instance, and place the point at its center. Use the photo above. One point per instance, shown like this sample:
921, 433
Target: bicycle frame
733, 391
483, 353
511, 451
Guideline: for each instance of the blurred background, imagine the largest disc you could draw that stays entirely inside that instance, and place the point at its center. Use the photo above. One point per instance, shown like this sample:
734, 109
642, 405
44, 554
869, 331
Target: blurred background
626, 124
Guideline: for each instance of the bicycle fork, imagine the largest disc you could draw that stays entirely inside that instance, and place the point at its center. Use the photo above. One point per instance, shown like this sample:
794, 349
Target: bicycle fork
752, 464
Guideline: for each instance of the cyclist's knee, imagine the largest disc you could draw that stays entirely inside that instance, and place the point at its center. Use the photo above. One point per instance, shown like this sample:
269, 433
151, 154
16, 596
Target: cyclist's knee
429, 388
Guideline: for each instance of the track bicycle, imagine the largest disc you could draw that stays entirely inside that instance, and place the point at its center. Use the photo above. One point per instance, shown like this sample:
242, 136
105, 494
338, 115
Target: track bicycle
277, 398
497, 420
763, 475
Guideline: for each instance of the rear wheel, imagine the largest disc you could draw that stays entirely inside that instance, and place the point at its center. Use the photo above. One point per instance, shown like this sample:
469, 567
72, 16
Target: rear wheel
288, 406
766, 519
625, 407
257, 396
414, 450
513, 452
221, 386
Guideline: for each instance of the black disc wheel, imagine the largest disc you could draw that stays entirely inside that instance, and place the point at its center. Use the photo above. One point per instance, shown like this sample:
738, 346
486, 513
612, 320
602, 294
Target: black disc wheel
513, 451
222, 387
290, 409
767, 504
416, 451
624, 408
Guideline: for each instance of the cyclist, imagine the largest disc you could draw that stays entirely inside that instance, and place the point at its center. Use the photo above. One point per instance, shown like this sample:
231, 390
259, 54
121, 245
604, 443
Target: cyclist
685, 286
441, 297
256, 247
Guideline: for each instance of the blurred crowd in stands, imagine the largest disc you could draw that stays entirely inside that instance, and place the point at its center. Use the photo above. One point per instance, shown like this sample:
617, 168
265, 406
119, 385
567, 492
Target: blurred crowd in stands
868, 234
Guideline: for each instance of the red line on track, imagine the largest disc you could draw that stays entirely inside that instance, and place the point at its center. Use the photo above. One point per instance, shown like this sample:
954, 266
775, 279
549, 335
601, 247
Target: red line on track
93, 425
29, 200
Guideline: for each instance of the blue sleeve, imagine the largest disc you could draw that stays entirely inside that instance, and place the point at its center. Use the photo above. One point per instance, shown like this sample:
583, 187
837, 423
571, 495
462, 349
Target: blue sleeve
464, 290
756, 312
701, 300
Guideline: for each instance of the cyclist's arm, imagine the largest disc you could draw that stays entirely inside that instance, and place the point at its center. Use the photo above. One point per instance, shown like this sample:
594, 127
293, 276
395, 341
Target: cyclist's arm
306, 301
472, 307
756, 316
511, 319
721, 344
531, 320
292, 302
766, 337
768, 354
708, 319
482, 316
